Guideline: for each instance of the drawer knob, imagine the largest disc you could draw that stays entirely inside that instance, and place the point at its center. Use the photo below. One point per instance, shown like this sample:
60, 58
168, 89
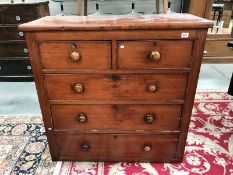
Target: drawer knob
155, 56
147, 148
29, 67
152, 88
17, 18
25, 50
79, 88
21, 34
82, 117
85, 147
149, 118
75, 56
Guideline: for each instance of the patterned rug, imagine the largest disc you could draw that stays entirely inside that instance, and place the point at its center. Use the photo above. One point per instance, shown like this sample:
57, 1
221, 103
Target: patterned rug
209, 148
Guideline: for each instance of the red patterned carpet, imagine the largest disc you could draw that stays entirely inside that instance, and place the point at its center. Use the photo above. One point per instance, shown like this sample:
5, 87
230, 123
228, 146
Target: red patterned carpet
209, 148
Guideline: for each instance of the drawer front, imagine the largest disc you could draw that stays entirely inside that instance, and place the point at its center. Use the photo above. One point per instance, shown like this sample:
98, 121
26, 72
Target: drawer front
117, 146
154, 54
116, 117
76, 55
10, 33
17, 14
116, 87
14, 49
15, 67
215, 48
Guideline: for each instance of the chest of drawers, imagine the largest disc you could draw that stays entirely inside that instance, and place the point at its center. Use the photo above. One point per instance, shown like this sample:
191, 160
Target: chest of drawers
116, 88
14, 62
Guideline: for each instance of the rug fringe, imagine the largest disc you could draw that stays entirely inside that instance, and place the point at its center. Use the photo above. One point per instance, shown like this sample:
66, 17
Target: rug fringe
57, 168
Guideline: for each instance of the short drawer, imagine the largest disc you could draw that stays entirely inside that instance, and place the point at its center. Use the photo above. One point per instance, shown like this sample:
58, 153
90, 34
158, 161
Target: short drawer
76, 55
15, 67
13, 49
17, 14
116, 117
10, 33
116, 87
154, 54
116, 147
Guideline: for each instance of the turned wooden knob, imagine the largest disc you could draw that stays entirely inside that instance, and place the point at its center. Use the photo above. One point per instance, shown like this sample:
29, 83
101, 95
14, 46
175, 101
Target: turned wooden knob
147, 148
155, 56
75, 56
149, 118
82, 117
79, 88
152, 88
85, 146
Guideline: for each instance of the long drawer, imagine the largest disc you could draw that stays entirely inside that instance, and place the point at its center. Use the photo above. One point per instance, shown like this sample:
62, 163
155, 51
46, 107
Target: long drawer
10, 33
117, 87
116, 117
154, 54
116, 147
13, 49
76, 55
15, 67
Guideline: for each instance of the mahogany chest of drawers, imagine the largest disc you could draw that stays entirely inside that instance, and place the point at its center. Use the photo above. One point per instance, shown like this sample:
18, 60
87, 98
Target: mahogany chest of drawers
116, 88
14, 61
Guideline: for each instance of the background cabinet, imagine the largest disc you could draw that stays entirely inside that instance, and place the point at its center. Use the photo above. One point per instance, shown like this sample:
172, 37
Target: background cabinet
216, 49
14, 59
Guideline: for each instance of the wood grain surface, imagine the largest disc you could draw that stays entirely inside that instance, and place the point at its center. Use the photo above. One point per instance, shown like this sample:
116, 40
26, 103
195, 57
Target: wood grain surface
112, 146
114, 104
94, 54
172, 54
161, 21
117, 87
117, 117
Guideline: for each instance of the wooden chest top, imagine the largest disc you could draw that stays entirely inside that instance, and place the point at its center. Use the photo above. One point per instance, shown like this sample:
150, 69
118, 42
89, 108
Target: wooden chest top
163, 21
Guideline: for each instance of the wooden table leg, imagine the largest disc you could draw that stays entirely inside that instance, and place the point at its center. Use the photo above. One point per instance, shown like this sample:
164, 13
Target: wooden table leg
165, 5
85, 7
157, 6
79, 4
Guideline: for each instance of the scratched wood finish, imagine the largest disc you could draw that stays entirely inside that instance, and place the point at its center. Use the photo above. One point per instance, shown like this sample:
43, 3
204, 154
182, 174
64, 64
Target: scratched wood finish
114, 146
121, 22
90, 52
118, 71
115, 96
118, 87
190, 92
171, 54
115, 35
117, 117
